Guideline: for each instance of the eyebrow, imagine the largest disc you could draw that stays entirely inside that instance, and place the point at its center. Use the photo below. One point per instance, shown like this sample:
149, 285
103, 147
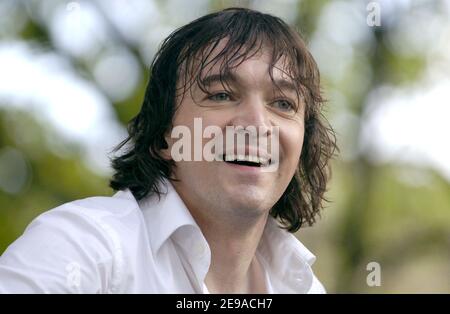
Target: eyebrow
219, 78
232, 78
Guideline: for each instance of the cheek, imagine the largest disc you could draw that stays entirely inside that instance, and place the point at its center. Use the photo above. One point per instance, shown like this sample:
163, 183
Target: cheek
291, 139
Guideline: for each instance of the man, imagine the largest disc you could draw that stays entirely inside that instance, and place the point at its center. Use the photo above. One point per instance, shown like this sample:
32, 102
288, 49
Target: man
187, 224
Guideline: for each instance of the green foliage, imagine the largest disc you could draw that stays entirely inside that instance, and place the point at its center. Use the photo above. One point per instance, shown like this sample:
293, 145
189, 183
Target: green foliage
395, 214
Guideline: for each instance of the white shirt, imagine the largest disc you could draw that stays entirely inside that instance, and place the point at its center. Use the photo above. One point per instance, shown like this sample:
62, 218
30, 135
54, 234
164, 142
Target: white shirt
118, 245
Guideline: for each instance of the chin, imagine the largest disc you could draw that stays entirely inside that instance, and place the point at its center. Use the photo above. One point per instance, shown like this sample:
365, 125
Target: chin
250, 200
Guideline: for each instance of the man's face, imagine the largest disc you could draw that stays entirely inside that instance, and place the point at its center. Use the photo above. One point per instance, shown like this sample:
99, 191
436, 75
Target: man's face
251, 99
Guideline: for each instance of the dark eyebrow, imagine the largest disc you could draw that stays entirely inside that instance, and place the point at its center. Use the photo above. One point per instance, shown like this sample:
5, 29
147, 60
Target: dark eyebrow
286, 85
228, 78
218, 78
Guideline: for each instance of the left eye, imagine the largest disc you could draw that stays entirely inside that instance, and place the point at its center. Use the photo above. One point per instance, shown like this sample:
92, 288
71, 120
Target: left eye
283, 105
220, 97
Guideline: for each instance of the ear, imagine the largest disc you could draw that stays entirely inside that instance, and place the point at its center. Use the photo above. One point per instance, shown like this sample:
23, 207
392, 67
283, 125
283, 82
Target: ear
165, 151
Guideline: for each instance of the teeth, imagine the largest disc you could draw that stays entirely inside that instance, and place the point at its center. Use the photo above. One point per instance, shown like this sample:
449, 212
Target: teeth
256, 159
230, 157
263, 160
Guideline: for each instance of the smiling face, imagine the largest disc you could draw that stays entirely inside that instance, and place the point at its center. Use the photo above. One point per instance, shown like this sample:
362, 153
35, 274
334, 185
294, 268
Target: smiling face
248, 98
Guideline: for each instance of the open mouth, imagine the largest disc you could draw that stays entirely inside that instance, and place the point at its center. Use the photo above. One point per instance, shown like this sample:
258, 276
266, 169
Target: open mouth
250, 161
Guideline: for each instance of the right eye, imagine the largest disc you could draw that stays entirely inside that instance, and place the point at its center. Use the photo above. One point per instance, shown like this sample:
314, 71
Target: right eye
222, 96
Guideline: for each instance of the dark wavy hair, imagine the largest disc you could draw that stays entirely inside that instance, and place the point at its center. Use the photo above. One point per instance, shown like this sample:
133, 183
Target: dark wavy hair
141, 167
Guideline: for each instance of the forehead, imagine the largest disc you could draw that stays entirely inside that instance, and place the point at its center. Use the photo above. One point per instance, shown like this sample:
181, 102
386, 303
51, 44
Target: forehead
247, 57
258, 61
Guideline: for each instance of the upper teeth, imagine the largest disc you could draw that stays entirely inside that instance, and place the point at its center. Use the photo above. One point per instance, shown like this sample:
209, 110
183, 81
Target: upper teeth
260, 160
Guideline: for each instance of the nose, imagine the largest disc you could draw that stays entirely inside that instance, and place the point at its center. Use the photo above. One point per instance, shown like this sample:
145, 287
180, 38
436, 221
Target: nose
253, 112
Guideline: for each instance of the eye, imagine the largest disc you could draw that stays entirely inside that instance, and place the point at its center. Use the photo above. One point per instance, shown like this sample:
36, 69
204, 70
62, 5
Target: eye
283, 105
222, 96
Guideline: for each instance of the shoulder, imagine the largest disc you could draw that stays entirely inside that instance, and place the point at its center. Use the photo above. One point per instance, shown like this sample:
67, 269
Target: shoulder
121, 205
93, 233
101, 226
97, 212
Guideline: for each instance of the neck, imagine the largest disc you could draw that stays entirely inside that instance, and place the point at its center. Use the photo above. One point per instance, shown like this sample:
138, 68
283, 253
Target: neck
233, 240
234, 267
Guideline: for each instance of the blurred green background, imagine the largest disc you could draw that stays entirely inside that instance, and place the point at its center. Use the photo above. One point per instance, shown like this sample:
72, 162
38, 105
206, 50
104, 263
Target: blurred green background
73, 73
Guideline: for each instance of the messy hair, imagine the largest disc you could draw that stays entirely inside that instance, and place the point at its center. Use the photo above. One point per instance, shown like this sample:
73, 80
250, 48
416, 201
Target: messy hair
182, 57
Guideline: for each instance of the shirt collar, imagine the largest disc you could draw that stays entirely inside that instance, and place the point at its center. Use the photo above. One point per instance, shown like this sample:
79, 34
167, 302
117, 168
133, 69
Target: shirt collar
165, 215
286, 259
168, 217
